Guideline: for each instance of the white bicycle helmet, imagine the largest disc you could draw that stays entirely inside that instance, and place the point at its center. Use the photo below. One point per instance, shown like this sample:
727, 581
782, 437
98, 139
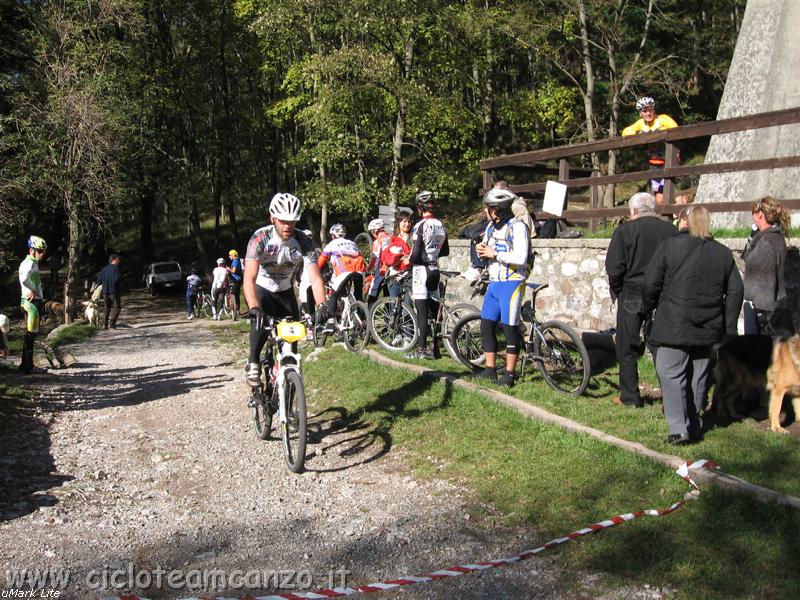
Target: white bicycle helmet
337, 230
220, 261
644, 102
285, 207
499, 198
37, 243
376, 225
425, 200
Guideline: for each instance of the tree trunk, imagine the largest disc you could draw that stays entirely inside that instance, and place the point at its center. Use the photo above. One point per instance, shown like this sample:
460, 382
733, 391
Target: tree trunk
72, 288
588, 94
400, 123
323, 219
146, 224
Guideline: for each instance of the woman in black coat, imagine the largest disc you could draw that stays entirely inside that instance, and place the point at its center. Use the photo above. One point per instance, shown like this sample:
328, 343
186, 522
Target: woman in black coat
696, 289
764, 258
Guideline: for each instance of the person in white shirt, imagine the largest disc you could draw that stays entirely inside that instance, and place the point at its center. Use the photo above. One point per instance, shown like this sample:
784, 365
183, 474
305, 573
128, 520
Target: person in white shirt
218, 286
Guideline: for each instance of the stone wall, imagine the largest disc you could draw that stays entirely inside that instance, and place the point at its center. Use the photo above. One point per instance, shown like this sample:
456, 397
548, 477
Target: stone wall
574, 268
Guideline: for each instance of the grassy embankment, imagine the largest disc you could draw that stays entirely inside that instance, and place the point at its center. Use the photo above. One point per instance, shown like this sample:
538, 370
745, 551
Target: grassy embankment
524, 472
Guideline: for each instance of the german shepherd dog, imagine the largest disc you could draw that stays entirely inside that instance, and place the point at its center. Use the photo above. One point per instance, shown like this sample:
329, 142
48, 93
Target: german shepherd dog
783, 378
741, 367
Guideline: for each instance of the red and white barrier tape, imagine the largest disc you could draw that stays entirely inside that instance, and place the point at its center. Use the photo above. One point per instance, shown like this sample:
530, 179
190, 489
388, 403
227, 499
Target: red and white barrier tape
338, 592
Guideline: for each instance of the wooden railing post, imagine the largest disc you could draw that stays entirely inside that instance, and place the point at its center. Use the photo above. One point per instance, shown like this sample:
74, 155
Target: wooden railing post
670, 160
563, 176
487, 179
594, 200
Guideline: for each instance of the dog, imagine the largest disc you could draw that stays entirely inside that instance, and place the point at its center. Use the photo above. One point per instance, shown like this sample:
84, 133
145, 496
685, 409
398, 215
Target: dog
54, 309
740, 370
92, 312
783, 378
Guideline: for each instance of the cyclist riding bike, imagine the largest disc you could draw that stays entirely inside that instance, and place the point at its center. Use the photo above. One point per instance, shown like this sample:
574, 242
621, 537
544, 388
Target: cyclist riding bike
380, 240
348, 269
652, 122
506, 245
30, 281
428, 243
235, 271
273, 253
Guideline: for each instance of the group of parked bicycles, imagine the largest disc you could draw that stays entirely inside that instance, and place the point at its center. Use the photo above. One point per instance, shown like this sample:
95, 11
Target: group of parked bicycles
552, 348
203, 305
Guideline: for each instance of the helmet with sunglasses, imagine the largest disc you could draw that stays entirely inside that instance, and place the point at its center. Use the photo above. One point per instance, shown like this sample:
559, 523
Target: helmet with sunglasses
37, 243
644, 102
337, 230
426, 200
499, 198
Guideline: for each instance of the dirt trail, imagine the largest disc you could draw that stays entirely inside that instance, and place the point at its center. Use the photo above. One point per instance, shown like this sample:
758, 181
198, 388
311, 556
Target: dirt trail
142, 457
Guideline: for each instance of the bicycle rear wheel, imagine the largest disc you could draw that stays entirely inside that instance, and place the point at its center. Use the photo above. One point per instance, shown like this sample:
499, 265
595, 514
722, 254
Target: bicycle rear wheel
393, 325
562, 358
467, 343
293, 430
355, 330
452, 316
206, 307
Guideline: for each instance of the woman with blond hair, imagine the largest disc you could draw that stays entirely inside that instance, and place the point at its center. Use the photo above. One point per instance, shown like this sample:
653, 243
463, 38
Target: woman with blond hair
764, 257
695, 287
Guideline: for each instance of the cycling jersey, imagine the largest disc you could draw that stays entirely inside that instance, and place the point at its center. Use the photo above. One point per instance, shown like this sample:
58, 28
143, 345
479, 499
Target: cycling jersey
512, 247
375, 267
236, 270
193, 282
220, 275
343, 255
278, 258
428, 242
660, 123
30, 280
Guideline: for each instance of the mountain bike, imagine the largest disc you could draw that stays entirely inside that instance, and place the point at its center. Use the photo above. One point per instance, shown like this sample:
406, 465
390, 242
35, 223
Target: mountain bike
393, 320
281, 390
351, 319
202, 306
553, 346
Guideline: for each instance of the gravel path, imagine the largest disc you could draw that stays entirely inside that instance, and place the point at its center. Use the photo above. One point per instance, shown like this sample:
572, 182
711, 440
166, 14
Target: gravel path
142, 456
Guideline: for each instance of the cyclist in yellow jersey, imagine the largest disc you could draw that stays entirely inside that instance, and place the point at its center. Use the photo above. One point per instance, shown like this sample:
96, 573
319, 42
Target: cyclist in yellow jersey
651, 122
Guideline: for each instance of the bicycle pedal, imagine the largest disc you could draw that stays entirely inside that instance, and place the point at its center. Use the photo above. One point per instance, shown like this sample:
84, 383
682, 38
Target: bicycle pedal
252, 402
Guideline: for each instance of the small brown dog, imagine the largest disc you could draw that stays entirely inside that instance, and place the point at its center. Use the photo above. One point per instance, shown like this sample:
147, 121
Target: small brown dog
54, 309
741, 368
783, 378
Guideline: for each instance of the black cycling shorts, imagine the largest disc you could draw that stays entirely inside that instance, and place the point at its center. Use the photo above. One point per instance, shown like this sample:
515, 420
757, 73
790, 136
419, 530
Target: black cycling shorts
278, 304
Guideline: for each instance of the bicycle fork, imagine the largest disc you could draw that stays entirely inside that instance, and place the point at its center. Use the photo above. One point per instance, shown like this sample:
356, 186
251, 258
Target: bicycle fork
280, 382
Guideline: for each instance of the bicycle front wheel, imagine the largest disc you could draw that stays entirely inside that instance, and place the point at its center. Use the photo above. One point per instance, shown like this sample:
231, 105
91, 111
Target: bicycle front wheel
562, 358
393, 325
262, 417
466, 342
206, 308
452, 316
293, 430
355, 330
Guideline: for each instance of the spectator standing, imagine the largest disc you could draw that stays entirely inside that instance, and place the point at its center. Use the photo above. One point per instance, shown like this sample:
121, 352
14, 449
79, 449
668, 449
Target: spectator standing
30, 281
193, 283
696, 287
219, 284
110, 278
764, 258
235, 271
632, 246
650, 121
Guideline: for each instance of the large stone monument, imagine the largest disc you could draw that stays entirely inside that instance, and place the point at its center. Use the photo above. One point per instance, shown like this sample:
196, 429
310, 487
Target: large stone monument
764, 76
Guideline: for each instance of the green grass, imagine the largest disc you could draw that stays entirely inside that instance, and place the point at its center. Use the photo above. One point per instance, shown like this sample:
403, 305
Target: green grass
526, 472
72, 334
557, 482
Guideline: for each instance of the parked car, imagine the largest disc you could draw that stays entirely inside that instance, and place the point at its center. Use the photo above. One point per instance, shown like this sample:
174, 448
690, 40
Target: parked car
162, 275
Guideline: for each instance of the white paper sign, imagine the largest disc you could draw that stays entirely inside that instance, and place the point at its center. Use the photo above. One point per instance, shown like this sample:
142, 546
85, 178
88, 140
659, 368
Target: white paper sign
554, 195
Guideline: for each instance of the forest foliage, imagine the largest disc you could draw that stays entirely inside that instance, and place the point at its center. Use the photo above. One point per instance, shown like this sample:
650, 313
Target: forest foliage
162, 114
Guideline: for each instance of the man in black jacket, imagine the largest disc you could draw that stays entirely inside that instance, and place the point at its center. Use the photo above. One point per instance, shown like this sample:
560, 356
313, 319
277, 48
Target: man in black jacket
633, 245
109, 278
